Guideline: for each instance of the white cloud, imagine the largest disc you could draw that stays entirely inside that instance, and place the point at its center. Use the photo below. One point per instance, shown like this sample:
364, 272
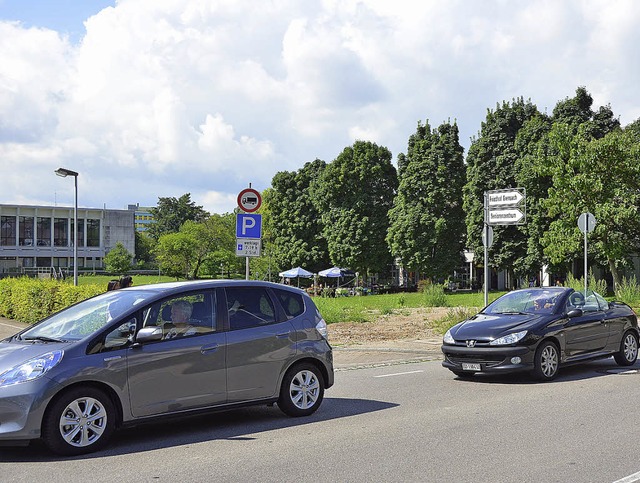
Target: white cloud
165, 97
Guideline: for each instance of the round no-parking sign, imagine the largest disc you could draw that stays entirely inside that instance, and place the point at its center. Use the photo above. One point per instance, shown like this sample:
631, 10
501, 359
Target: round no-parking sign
249, 200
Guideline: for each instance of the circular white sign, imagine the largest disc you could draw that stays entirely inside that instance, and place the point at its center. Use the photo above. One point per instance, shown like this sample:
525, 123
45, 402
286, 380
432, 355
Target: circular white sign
249, 200
586, 222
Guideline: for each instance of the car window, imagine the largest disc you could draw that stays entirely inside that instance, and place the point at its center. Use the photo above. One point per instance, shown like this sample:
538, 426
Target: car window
249, 307
183, 315
292, 303
526, 301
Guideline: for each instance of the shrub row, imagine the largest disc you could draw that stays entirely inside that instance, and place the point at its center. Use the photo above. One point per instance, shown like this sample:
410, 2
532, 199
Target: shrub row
30, 299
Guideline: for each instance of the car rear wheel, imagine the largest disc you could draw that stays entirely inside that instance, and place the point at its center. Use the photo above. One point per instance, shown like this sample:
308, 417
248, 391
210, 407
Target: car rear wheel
547, 361
628, 352
302, 390
80, 421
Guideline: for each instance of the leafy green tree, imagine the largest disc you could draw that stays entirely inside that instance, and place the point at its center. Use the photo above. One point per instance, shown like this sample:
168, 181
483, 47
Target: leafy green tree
171, 213
144, 249
176, 254
354, 195
293, 223
492, 164
427, 227
217, 239
118, 260
601, 176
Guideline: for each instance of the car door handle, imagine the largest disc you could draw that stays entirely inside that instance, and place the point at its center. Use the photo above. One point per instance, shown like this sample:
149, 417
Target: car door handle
283, 335
208, 348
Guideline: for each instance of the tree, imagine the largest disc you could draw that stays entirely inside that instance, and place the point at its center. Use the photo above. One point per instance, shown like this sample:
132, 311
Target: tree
144, 249
118, 260
427, 228
354, 195
293, 223
176, 253
492, 164
601, 176
171, 213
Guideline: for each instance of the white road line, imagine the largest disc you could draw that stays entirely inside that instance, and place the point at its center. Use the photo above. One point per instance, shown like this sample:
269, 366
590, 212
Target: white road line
12, 326
629, 479
398, 374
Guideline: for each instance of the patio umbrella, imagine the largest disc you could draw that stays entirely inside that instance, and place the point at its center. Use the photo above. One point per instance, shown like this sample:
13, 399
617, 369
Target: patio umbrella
296, 272
333, 272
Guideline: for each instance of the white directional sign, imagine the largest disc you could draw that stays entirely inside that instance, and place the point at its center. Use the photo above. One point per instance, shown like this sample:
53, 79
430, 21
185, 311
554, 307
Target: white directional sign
506, 207
508, 216
502, 198
248, 247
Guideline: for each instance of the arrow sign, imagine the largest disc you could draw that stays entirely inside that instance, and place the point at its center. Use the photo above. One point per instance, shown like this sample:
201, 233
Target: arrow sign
510, 216
502, 198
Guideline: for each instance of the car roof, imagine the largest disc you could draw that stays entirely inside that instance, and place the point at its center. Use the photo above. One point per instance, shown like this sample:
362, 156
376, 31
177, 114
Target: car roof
165, 287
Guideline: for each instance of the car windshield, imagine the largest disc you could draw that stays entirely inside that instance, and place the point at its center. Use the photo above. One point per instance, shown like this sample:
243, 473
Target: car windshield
525, 302
86, 317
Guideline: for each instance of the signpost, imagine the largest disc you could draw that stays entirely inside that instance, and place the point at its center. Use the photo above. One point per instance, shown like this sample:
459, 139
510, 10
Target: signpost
586, 223
501, 207
248, 226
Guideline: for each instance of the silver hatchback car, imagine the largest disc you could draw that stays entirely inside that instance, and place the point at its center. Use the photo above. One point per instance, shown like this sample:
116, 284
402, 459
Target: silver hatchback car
131, 355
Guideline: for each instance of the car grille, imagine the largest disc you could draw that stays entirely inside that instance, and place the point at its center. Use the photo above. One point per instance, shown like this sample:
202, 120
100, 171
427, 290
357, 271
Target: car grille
476, 358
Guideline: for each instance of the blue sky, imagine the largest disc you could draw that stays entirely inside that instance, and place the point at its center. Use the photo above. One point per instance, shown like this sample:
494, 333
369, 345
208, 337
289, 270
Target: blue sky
64, 16
158, 98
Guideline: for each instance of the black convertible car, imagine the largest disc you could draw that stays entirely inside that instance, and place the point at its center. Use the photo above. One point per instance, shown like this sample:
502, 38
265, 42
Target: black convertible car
539, 330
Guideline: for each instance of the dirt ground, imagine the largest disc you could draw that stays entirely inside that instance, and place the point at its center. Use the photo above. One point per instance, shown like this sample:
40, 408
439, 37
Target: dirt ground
401, 325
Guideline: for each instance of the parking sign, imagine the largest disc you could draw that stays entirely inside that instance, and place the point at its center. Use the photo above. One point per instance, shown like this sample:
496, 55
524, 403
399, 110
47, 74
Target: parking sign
248, 226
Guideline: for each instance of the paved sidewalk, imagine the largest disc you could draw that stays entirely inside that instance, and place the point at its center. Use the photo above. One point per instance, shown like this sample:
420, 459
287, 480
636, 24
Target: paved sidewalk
344, 358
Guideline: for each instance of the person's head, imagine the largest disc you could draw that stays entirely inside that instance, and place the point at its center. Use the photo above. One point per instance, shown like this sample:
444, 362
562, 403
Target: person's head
538, 304
181, 311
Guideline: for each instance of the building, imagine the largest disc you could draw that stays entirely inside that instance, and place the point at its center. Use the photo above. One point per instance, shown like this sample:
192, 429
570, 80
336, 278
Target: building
42, 236
142, 217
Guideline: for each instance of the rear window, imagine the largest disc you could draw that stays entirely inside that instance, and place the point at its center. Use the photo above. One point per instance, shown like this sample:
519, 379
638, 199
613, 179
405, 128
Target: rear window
292, 303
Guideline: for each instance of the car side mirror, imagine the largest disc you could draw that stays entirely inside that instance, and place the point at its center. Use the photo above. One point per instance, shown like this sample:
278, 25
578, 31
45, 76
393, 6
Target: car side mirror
149, 334
575, 313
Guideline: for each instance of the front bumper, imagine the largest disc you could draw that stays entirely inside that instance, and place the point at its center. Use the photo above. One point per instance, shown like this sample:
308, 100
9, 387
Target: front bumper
22, 408
490, 360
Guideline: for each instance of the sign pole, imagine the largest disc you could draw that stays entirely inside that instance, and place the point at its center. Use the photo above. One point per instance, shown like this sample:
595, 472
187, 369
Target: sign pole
486, 253
585, 254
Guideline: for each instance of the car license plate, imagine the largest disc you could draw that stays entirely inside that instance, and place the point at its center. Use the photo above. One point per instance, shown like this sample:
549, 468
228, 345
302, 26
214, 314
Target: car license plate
470, 367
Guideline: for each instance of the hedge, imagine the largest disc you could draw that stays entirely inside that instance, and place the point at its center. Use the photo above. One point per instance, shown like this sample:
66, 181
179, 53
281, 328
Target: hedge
30, 299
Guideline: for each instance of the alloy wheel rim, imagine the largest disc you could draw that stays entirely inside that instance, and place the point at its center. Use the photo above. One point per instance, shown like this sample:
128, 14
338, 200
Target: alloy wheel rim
549, 361
304, 389
83, 422
630, 347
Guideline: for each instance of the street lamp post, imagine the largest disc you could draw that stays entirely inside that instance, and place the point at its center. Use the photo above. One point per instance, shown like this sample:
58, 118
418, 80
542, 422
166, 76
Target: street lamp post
64, 173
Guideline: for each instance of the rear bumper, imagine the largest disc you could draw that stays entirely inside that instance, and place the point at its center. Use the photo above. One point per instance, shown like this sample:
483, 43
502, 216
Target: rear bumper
491, 360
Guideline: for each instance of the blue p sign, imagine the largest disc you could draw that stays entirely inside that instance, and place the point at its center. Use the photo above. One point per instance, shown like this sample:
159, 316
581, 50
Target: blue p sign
248, 226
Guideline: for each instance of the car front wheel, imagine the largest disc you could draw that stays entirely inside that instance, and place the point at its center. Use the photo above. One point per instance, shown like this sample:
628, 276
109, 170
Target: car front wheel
80, 421
628, 352
302, 390
547, 361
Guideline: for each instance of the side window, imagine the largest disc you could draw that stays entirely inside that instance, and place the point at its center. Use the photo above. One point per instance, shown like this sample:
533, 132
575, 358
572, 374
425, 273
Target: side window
249, 307
184, 315
591, 302
292, 303
119, 336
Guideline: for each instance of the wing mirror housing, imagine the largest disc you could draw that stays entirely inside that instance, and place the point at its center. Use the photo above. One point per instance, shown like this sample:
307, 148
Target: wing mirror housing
575, 313
149, 334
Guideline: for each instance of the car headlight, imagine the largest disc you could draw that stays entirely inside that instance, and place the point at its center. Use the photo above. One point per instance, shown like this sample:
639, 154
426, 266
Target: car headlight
447, 339
509, 339
31, 369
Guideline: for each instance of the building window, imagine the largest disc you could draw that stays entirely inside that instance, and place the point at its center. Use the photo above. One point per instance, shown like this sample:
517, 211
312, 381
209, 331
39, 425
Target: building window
93, 233
60, 232
8, 231
25, 232
80, 233
43, 232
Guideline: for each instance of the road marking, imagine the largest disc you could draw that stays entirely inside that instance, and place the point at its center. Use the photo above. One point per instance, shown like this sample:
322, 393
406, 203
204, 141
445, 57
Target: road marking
398, 374
12, 326
630, 478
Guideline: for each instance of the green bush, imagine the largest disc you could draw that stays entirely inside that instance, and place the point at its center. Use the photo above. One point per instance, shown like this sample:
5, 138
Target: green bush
599, 286
455, 315
30, 299
627, 291
434, 296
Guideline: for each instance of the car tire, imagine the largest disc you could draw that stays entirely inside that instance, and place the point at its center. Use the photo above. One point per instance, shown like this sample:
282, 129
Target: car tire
302, 390
628, 352
547, 361
80, 421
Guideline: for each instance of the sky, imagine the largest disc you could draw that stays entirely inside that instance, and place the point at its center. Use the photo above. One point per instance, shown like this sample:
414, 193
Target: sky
158, 98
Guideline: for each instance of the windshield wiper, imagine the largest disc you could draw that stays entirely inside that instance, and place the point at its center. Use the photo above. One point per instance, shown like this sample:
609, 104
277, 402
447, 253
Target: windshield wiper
513, 313
43, 338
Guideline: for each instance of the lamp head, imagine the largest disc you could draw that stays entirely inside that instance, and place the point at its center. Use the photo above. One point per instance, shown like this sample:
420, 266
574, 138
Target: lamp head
63, 172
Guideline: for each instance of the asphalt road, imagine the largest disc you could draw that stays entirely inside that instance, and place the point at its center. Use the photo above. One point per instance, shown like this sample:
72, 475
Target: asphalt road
404, 422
